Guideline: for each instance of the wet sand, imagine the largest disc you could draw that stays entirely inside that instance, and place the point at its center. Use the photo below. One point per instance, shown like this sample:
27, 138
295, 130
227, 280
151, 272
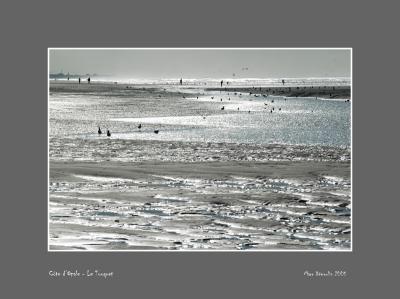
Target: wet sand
198, 206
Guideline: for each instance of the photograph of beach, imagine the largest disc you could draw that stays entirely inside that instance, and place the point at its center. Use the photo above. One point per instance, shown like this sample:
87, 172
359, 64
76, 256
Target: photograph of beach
199, 149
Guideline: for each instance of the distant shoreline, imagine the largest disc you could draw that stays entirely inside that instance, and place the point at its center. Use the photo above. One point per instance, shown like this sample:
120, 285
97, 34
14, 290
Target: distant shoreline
325, 92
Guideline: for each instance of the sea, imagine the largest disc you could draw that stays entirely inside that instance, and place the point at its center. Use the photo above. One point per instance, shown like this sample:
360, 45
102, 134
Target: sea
191, 113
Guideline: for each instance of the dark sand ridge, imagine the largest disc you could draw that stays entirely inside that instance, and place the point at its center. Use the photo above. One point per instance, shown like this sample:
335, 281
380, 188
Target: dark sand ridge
327, 92
65, 86
206, 170
109, 88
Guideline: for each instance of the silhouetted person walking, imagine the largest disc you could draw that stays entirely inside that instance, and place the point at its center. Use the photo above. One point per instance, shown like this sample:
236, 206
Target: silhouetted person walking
99, 131
88, 80
79, 80
108, 133
180, 81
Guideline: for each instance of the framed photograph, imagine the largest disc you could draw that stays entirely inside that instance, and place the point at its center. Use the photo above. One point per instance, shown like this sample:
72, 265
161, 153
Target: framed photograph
200, 149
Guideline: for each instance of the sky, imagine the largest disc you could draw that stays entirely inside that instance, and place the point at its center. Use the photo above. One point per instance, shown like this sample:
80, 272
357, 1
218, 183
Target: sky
202, 63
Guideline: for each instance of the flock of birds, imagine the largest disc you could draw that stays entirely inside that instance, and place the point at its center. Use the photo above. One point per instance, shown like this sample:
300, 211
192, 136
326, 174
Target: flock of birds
250, 93
223, 107
204, 117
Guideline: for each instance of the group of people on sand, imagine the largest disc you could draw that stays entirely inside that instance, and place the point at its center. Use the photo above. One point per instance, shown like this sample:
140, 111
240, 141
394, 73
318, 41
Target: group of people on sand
79, 80
222, 82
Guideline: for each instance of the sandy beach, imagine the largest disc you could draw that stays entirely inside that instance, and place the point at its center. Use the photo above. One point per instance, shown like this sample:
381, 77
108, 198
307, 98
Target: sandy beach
205, 181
